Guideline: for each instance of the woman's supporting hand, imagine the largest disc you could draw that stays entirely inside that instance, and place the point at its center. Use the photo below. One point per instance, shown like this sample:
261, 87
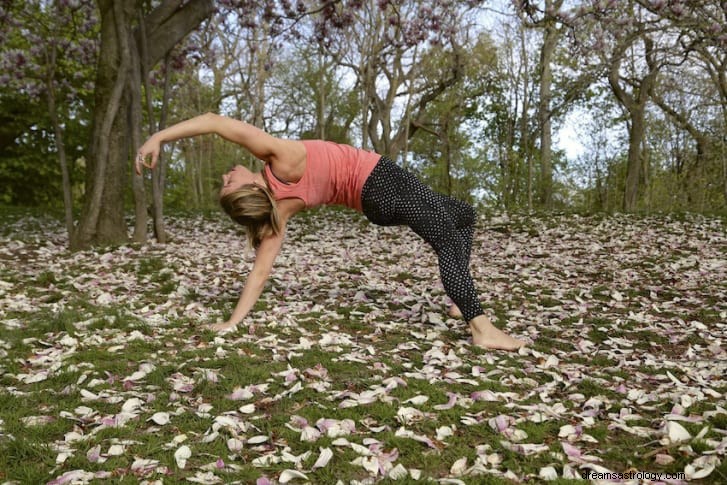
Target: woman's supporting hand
222, 328
150, 149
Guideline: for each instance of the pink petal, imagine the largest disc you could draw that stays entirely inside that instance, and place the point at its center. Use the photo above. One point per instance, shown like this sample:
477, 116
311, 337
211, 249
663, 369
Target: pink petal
570, 450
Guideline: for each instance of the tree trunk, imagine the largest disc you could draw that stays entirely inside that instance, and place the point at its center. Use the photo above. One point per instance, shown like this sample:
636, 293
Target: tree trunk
634, 160
134, 128
447, 153
550, 41
102, 217
525, 155
60, 145
156, 177
635, 104
159, 173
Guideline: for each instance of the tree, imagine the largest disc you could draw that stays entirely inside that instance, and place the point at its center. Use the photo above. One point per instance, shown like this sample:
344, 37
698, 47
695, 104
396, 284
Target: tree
102, 216
701, 44
444, 148
381, 44
550, 15
46, 54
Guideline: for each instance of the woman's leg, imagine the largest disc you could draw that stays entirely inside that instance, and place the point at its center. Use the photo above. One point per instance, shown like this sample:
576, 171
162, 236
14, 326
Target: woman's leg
393, 196
464, 217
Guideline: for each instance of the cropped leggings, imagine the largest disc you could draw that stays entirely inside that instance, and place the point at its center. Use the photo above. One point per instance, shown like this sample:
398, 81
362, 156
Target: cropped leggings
391, 196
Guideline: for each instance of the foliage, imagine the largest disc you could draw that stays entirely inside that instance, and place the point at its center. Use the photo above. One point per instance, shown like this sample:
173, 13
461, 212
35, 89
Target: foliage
362, 72
47, 48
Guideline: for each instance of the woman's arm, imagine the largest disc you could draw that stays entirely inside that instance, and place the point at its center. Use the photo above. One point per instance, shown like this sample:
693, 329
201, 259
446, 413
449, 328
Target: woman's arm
261, 144
264, 259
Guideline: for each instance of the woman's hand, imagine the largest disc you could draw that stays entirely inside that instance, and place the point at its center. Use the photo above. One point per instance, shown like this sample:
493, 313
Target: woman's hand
150, 148
223, 328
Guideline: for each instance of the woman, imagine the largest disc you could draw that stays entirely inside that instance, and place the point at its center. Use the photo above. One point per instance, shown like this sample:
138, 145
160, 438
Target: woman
302, 174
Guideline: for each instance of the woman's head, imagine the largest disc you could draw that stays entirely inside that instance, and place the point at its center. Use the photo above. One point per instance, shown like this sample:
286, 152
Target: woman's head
250, 204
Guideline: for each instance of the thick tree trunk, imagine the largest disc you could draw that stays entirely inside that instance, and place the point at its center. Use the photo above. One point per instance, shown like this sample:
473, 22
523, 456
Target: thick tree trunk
102, 217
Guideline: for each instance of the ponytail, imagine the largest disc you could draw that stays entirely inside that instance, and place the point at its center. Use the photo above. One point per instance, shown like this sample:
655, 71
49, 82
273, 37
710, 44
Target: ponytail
254, 207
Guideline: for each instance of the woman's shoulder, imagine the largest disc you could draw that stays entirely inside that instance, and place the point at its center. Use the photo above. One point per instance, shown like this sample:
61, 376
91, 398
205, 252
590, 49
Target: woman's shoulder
289, 160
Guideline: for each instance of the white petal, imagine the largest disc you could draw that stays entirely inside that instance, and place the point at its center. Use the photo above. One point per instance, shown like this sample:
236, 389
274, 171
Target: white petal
548, 473
444, 432
247, 409
399, 471
132, 405
676, 432
370, 464
181, 456
289, 475
256, 440
93, 454
115, 450
701, 467
407, 415
417, 400
323, 458
361, 450
234, 445
459, 467
310, 434
160, 418
567, 431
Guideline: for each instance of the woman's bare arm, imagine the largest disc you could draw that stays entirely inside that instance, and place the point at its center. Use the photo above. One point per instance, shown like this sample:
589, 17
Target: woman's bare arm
265, 256
264, 259
261, 144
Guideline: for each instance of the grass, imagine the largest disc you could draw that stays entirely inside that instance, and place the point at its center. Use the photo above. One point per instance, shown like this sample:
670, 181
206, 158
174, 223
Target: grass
338, 337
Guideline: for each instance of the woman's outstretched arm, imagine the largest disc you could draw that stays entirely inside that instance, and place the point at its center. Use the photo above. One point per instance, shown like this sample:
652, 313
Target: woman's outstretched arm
264, 259
261, 144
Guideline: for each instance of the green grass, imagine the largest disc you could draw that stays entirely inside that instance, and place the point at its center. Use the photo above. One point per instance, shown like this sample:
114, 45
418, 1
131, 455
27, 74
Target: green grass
148, 324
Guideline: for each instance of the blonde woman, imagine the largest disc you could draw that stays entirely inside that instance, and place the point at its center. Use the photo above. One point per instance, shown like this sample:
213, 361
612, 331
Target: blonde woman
302, 174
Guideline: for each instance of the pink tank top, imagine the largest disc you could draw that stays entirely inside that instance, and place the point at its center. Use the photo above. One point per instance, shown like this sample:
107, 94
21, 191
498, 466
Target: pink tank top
334, 175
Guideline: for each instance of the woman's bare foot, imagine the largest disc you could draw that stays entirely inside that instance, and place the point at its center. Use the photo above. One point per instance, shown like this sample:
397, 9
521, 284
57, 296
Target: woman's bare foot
454, 311
487, 336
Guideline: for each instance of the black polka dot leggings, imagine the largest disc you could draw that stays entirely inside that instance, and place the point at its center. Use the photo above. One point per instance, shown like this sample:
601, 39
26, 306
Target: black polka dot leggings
392, 196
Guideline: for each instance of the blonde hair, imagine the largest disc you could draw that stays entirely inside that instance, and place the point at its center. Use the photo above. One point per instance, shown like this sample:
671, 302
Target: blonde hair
254, 207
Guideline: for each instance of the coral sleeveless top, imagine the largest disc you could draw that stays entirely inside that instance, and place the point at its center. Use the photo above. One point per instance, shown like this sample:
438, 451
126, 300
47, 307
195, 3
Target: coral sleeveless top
334, 175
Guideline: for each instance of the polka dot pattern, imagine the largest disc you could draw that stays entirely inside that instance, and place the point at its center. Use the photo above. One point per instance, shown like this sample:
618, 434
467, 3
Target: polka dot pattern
392, 196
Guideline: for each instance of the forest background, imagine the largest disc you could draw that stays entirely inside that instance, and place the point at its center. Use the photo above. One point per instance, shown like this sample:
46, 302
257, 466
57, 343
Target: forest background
526, 105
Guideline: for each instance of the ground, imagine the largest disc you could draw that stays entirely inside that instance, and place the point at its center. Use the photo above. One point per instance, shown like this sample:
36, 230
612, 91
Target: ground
349, 369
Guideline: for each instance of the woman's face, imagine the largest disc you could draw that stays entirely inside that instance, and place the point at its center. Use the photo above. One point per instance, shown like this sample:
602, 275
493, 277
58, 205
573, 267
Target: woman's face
236, 178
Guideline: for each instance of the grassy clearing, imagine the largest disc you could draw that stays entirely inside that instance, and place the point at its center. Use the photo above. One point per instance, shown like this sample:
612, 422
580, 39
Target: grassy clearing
106, 371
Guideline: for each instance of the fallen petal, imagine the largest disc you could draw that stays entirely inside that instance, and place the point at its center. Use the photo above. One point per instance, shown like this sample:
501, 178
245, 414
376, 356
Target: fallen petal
181, 456
290, 475
323, 458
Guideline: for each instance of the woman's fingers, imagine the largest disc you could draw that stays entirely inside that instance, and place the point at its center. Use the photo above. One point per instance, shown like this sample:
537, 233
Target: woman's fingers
141, 160
138, 163
222, 328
